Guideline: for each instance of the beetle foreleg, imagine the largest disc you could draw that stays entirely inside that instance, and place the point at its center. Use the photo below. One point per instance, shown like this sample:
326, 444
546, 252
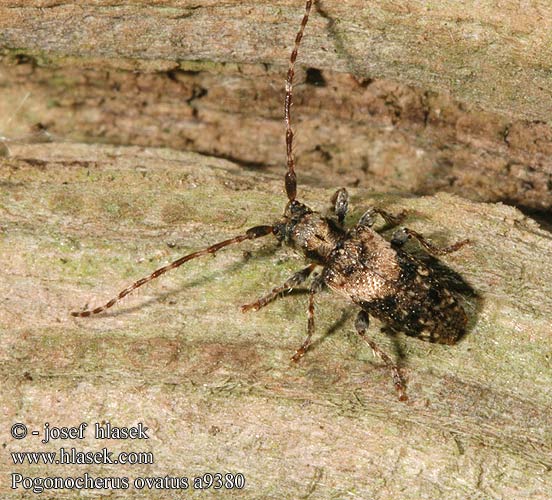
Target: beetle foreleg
298, 278
340, 202
391, 220
401, 236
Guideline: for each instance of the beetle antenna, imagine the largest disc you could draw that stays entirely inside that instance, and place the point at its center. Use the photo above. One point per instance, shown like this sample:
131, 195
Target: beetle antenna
291, 178
250, 234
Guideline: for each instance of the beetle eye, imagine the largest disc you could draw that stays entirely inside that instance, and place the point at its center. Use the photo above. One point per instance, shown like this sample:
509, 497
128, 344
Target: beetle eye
278, 230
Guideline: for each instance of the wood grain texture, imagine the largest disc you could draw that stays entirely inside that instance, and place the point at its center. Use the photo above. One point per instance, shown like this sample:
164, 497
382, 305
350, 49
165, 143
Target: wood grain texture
421, 97
412, 98
375, 134
78, 223
495, 54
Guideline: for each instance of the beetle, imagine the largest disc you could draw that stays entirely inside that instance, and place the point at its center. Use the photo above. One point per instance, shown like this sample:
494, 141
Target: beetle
377, 275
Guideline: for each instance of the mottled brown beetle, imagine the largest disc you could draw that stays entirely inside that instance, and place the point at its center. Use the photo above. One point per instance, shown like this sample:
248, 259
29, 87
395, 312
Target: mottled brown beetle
385, 281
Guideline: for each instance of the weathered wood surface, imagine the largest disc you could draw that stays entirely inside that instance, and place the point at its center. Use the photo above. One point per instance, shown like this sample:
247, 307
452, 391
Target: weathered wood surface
372, 134
208, 77
496, 54
216, 387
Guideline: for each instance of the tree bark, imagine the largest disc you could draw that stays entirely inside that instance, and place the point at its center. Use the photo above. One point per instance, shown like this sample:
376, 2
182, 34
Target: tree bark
216, 387
396, 102
496, 55
373, 107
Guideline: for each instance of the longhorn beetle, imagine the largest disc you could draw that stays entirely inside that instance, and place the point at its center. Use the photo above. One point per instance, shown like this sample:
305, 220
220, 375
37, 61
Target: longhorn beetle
377, 275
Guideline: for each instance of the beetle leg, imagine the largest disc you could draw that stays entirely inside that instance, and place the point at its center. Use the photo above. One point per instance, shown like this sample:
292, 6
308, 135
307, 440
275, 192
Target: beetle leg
367, 218
340, 202
361, 325
298, 278
316, 286
401, 236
